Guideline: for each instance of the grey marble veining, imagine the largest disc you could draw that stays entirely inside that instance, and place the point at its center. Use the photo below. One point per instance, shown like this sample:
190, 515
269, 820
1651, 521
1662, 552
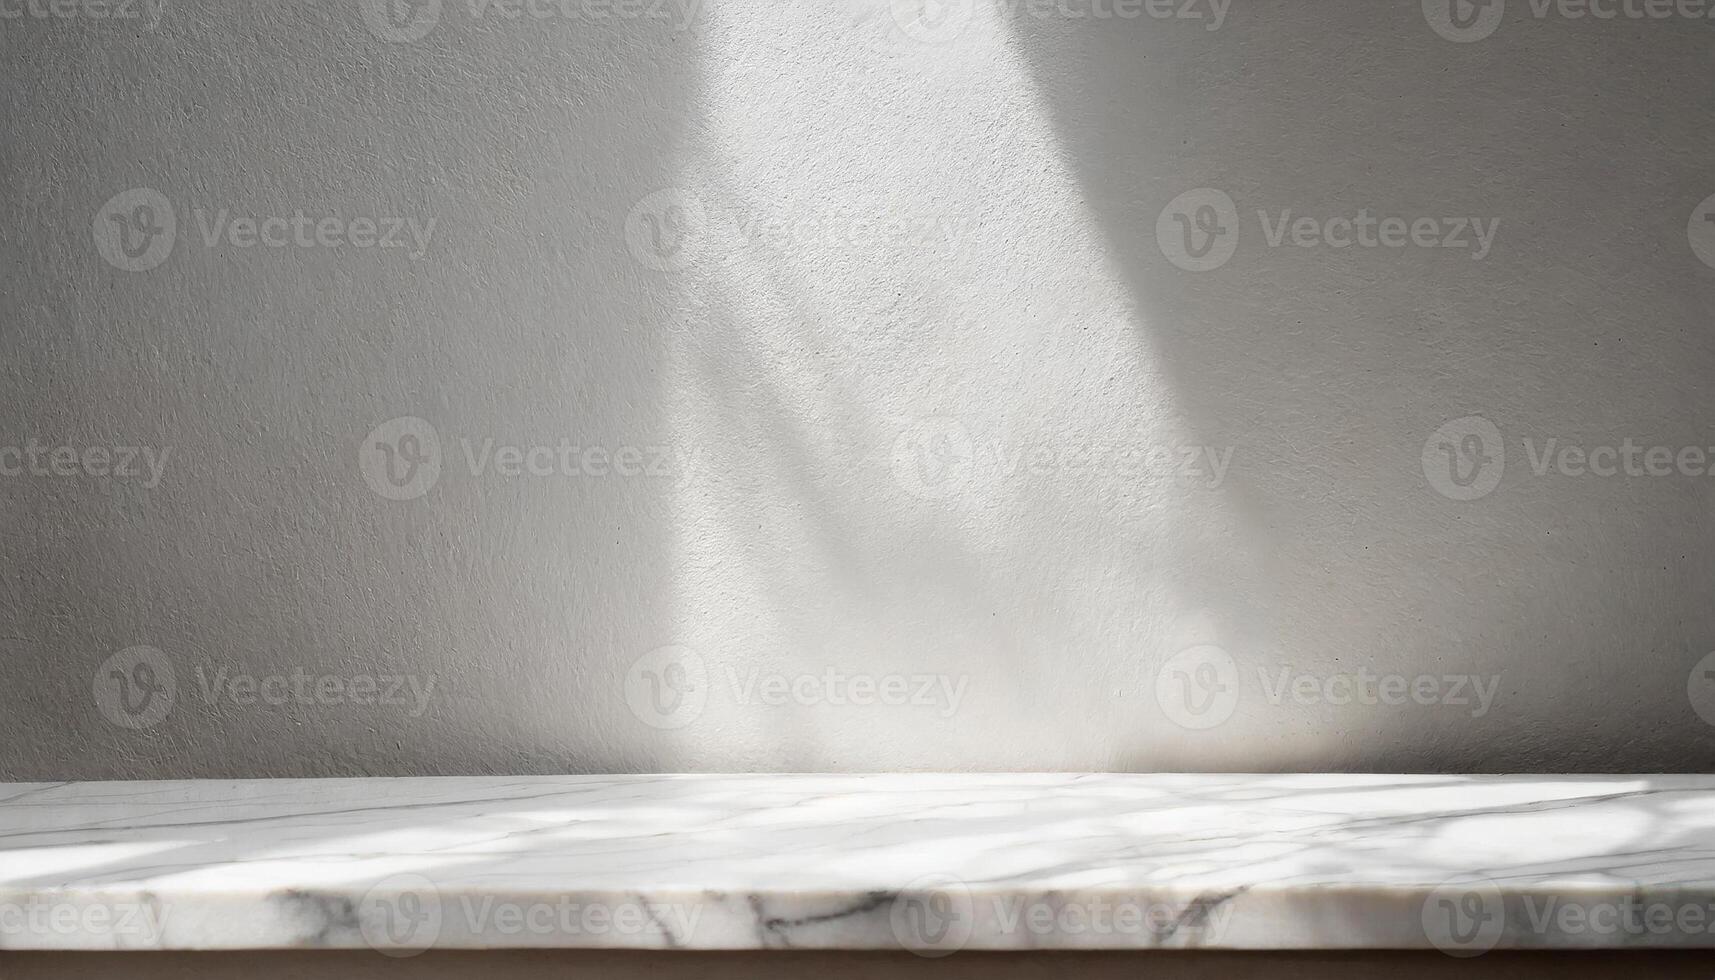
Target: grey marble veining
932, 863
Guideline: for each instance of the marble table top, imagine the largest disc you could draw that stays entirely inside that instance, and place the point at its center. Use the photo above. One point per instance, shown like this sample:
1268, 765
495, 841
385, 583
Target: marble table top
929, 863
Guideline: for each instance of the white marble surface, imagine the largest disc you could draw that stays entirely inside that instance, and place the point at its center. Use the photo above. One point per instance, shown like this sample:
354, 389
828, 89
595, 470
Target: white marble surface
933, 863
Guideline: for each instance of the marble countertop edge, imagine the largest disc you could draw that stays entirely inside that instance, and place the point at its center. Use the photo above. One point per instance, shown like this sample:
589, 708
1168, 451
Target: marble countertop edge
929, 863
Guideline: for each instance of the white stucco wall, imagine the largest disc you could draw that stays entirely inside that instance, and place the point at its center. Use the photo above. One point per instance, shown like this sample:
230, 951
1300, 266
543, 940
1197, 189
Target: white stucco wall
896, 379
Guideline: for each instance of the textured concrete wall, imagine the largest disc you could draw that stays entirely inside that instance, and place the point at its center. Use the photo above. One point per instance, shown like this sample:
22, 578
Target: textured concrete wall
498, 386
